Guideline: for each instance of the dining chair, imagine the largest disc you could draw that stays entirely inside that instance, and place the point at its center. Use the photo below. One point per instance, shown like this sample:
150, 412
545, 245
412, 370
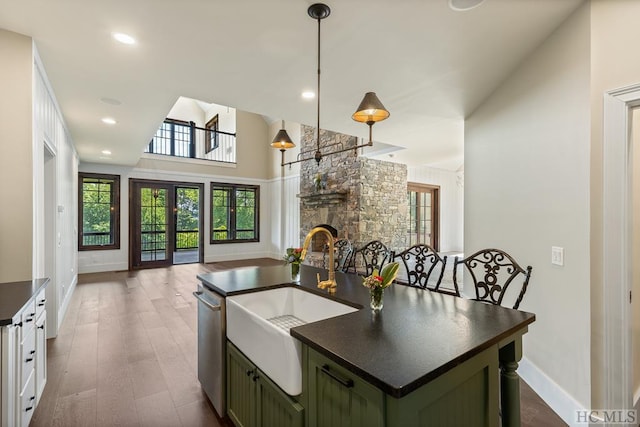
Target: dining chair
371, 256
493, 273
343, 250
423, 267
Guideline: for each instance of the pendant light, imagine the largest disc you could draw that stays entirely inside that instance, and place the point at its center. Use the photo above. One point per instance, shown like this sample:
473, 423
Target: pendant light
369, 111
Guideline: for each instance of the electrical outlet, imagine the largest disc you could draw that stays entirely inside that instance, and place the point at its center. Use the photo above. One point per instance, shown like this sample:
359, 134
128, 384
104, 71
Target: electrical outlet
557, 255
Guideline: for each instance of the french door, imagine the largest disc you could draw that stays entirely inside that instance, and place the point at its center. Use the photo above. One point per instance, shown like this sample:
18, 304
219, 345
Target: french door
165, 223
424, 213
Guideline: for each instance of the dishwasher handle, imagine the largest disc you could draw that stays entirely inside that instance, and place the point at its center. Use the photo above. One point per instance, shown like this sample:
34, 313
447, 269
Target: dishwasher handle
205, 302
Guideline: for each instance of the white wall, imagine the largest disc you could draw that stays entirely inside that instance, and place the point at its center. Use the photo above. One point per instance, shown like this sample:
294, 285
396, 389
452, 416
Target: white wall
49, 130
527, 189
451, 203
285, 184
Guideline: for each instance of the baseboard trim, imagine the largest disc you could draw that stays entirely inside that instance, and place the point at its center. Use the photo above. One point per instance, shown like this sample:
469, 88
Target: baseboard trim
236, 257
561, 402
65, 303
103, 268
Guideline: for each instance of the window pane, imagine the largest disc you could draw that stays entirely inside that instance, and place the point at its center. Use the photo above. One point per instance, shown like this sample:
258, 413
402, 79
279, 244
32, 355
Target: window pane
99, 211
234, 213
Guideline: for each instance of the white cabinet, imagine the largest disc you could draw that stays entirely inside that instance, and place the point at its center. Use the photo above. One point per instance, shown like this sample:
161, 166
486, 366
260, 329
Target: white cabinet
23, 368
41, 354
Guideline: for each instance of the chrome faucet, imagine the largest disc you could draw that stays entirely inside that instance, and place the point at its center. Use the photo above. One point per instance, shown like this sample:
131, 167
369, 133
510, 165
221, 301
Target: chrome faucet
330, 283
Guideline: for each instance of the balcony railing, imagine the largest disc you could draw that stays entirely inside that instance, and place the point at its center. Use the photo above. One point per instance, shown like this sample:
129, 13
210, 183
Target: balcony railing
96, 238
185, 139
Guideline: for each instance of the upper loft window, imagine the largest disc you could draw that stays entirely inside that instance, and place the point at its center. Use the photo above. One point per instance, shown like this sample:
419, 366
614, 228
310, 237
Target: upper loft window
173, 138
180, 138
211, 137
99, 211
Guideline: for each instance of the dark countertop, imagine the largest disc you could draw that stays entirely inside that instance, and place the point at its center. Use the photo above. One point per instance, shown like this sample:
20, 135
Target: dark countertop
15, 295
416, 337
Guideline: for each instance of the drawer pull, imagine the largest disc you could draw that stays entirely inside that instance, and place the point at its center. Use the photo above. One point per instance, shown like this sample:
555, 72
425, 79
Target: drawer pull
32, 352
30, 319
32, 398
19, 324
41, 327
29, 360
28, 409
347, 382
42, 301
249, 372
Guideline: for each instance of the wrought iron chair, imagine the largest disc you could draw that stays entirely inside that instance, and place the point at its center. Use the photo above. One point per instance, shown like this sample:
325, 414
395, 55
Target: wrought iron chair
423, 268
373, 256
342, 256
493, 272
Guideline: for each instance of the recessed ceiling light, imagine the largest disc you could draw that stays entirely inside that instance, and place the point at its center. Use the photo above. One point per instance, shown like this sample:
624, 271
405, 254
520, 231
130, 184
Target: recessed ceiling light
106, 152
308, 94
110, 101
462, 5
124, 38
109, 120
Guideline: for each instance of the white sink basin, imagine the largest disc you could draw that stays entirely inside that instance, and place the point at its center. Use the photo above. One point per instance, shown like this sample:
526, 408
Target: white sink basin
257, 323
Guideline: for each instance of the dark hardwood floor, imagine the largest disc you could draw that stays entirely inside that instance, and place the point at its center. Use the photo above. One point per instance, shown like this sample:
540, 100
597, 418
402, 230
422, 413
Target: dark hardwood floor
126, 354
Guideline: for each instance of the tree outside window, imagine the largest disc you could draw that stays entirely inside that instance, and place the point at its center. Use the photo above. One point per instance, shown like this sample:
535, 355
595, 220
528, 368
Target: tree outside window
99, 211
235, 213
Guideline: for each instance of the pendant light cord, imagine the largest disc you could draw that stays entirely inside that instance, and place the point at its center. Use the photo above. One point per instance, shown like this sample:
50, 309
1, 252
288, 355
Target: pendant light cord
318, 154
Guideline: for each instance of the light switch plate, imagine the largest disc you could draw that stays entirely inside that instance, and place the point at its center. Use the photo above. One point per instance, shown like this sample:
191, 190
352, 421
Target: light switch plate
557, 255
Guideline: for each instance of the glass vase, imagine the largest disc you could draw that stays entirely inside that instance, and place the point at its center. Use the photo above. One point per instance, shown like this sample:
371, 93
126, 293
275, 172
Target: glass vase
376, 298
295, 272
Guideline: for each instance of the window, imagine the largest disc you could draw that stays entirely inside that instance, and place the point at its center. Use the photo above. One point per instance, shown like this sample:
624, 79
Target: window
235, 213
424, 212
211, 137
173, 138
99, 211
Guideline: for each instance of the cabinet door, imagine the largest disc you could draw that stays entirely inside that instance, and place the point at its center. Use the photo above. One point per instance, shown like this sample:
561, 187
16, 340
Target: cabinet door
41, 353
338, 398
241, 388
274, 407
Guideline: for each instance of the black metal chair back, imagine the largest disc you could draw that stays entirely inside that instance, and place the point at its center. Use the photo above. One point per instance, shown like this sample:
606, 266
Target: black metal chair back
343, 250
423, 268
493, 271
373, 256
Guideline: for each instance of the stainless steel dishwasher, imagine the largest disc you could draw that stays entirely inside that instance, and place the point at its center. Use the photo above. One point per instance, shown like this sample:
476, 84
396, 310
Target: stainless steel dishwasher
212, 336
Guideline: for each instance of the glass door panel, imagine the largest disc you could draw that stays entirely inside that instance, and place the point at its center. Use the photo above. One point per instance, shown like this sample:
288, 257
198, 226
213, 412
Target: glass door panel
187, 221
152, 238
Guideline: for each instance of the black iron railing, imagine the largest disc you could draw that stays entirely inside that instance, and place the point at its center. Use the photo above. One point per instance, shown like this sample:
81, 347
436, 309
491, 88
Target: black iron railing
185, 139
96, 238
187, 240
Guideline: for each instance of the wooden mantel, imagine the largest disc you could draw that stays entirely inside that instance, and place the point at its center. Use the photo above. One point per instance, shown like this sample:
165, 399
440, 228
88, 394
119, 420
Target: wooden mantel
324, 197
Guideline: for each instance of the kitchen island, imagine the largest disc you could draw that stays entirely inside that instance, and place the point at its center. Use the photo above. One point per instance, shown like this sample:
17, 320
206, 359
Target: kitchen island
425, 355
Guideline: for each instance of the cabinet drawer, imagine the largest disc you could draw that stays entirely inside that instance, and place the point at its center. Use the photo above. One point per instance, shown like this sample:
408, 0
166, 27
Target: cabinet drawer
27, 356
339, 398
27, 401
40, 303
28, 318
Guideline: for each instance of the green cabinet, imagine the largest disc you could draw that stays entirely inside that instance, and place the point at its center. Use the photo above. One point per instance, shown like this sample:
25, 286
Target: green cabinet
253, 400
338, 398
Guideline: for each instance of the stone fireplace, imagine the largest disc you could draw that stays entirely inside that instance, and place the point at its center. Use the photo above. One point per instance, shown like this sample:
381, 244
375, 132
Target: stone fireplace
363, 199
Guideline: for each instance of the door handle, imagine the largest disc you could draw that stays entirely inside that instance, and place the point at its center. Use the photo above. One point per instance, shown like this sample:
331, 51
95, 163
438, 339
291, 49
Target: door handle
347, 382
205, 302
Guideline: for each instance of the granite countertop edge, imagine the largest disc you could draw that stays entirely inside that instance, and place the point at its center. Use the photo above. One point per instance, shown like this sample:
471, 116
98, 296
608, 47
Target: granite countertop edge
15, 296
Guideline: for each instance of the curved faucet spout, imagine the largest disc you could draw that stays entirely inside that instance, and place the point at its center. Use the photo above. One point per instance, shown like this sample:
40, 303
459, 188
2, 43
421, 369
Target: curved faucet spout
330, 283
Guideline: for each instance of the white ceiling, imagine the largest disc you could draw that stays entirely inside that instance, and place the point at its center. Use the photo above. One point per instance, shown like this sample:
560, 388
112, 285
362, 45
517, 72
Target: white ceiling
430, 65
